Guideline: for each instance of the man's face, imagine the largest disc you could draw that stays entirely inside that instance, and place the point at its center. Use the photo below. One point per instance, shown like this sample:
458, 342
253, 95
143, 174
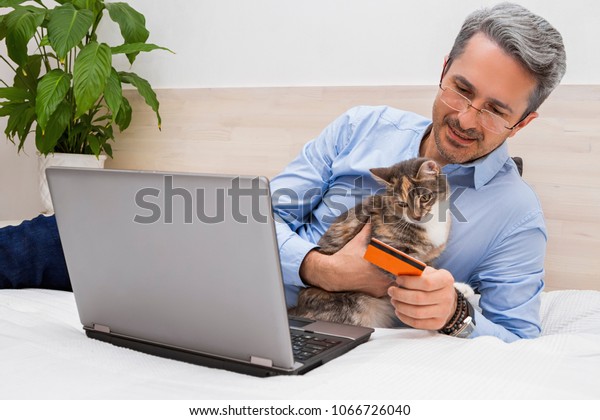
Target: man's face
492, 80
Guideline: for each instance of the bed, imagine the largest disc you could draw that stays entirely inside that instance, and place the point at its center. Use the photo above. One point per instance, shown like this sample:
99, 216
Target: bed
44, 354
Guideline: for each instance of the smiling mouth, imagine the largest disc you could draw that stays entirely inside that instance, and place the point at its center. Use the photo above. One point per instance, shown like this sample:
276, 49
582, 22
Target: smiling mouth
459, 138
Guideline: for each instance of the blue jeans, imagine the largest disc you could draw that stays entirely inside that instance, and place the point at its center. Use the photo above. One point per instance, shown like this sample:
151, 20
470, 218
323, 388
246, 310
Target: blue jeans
31, 255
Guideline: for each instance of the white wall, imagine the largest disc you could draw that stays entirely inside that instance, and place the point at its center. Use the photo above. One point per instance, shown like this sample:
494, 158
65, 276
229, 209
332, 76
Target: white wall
234, 43
224, 43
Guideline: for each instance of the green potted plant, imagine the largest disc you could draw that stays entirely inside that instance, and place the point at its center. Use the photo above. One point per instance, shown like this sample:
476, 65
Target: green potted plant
64, 79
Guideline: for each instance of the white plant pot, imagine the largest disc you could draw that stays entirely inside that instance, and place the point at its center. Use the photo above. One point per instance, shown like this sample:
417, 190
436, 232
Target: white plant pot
63, 159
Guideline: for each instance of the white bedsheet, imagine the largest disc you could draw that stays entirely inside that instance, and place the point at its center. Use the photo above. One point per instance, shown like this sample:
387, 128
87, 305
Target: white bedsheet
44, 354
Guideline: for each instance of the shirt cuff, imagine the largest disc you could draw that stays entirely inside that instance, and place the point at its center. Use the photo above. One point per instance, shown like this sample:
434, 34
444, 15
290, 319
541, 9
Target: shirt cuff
484, 326
292, 252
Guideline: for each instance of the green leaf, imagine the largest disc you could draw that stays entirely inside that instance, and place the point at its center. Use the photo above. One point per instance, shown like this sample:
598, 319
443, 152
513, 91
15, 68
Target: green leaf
8, 108
67, 27
2, 28
85, 4
27, 75
131, 23
15, 94
113, 93
94, 144
136, 47
45, 42
91, 69
20, 118
144, 89
21, 25
95, 6
52, 89
26, 120
46, 140
108, 149
123, 118
108, 133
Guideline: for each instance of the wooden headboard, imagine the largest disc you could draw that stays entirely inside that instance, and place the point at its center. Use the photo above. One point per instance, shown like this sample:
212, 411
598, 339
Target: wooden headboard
257, 131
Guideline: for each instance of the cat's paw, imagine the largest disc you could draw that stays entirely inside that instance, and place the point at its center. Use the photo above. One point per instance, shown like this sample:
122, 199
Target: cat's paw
465, 289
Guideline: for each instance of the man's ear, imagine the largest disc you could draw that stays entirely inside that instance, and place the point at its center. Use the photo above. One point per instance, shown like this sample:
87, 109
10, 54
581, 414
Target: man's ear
532, 116
382, 175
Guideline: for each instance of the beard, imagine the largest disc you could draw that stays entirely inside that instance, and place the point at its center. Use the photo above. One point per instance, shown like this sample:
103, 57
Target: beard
451, 150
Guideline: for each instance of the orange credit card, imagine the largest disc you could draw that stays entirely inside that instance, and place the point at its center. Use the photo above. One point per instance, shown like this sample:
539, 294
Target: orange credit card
393, 260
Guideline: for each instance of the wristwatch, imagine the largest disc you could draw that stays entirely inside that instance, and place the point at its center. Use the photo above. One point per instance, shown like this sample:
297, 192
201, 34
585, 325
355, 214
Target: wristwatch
465, 329
462, 322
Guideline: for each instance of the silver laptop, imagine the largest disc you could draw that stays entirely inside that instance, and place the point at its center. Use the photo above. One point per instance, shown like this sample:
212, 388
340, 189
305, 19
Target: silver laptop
185, 266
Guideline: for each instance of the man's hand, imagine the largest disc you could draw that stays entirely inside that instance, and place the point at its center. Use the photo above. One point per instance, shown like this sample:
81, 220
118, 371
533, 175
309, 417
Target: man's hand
346, 270
425, 302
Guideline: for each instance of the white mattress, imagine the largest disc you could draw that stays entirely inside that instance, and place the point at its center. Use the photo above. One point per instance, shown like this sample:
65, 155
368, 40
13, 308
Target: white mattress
44, 354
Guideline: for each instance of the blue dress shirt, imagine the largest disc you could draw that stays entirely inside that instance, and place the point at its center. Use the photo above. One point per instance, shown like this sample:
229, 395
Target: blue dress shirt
498, 236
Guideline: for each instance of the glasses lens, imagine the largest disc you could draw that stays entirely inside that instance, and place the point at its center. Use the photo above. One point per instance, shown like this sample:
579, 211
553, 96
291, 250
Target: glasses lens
459, 103
454, 100
492, 122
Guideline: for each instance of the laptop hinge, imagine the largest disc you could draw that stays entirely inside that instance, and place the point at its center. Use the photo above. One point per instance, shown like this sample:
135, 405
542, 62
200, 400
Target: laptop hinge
260, 361
102, 328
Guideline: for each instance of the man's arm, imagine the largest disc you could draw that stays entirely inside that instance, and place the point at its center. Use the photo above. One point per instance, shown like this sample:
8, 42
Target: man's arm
297, 192
346, 270
511, 279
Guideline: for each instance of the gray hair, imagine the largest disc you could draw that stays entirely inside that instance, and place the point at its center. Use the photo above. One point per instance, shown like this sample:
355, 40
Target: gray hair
527, 37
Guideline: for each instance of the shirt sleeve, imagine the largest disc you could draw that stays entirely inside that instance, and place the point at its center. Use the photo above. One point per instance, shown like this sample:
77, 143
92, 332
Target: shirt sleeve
510, 282
299, 189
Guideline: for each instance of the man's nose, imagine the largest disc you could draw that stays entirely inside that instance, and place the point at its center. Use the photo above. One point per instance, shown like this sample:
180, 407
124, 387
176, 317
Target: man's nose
469, 118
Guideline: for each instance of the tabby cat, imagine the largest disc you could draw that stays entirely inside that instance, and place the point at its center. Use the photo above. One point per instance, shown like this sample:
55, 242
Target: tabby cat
412, 216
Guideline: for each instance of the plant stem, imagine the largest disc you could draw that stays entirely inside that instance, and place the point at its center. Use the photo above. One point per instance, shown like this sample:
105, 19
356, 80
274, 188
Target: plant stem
38, 40
8, 62
17, 73
46, 60
96, 22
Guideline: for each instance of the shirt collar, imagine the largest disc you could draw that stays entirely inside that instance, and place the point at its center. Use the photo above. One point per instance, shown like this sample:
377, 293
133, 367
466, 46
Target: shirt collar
480, 171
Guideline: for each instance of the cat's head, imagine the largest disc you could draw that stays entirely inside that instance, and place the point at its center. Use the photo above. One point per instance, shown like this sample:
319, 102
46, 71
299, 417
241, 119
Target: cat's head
414, 186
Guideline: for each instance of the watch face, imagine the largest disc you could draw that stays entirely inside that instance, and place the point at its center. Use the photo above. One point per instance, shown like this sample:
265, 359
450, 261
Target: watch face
466, 329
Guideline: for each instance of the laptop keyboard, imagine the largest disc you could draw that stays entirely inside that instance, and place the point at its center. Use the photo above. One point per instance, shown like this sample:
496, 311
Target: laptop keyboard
306, 345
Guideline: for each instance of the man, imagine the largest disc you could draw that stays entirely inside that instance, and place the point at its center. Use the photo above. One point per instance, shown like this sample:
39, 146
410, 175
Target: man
504, 63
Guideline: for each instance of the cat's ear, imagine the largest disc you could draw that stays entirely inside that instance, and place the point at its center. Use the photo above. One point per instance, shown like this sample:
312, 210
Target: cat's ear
382, 175
429, 170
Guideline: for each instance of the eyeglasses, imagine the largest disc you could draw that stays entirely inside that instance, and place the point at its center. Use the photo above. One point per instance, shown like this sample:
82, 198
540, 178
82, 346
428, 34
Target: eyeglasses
495, 123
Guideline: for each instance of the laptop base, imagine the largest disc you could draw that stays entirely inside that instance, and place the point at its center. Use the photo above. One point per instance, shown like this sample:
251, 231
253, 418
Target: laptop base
214, 361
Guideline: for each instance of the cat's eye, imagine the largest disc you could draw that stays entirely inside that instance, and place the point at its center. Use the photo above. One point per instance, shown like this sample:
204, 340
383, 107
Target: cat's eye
425, 198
